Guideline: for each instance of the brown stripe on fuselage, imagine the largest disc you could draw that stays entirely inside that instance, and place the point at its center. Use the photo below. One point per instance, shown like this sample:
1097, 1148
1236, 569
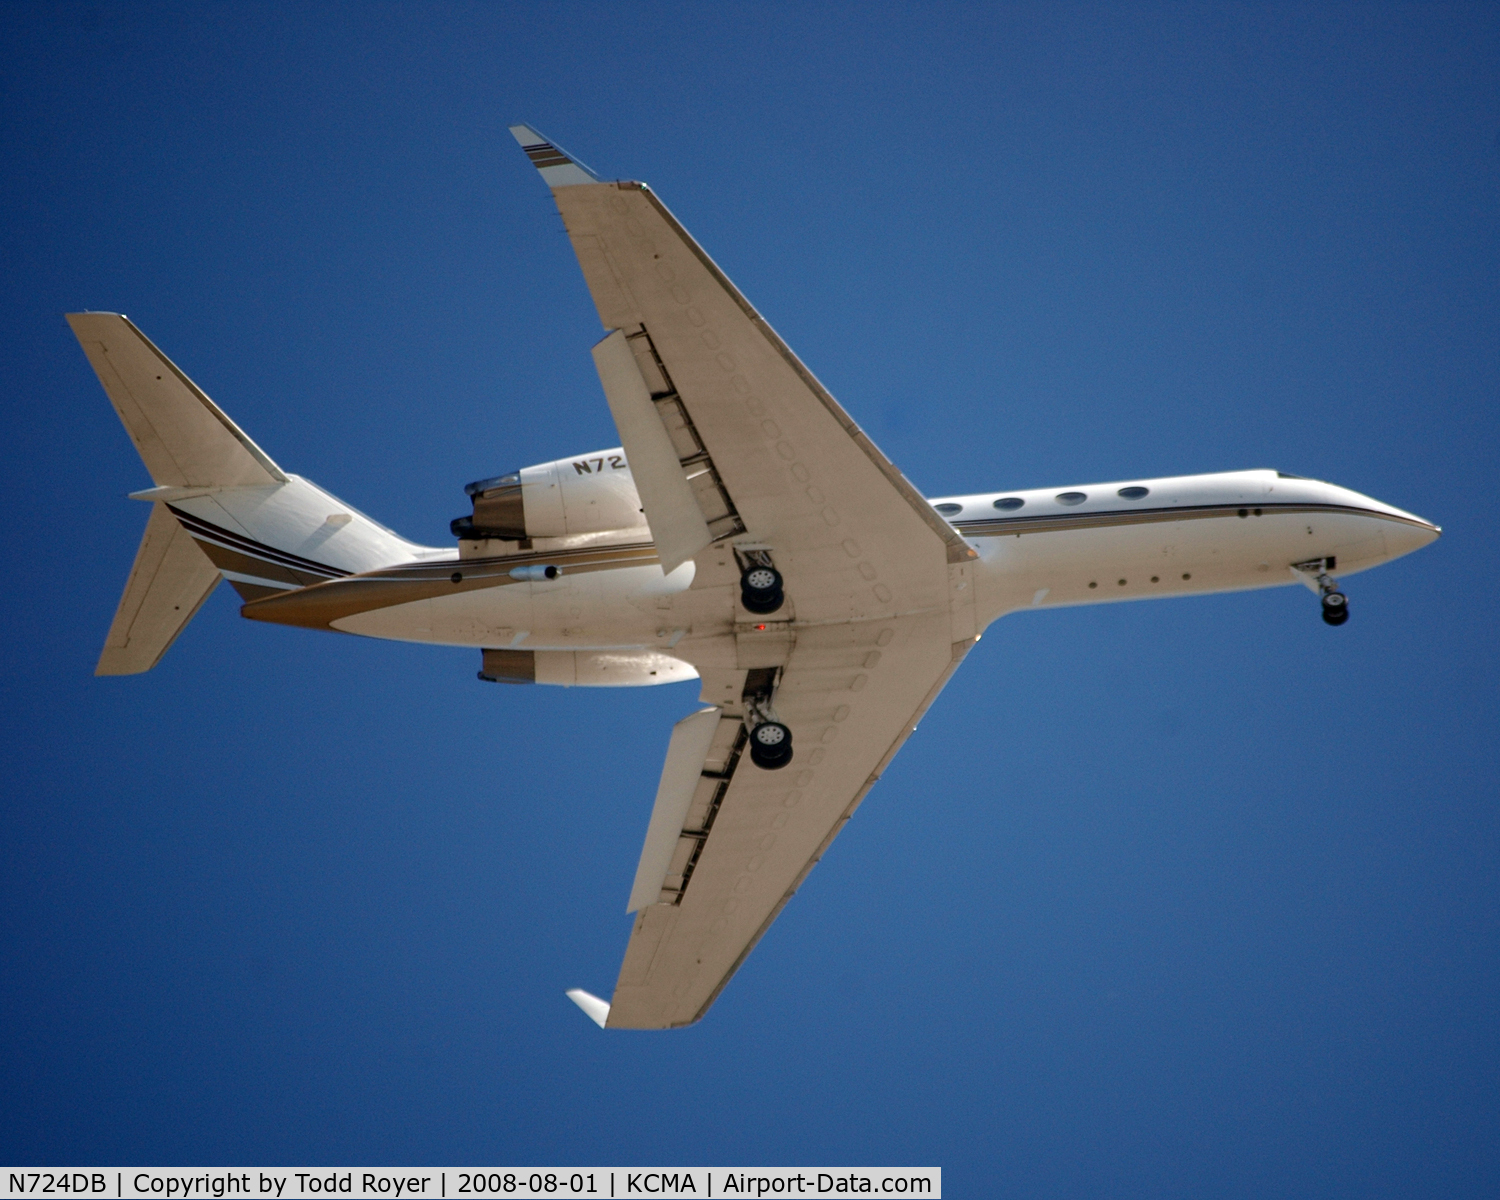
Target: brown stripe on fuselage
243, 564
200, 528
323, 603
1057, 522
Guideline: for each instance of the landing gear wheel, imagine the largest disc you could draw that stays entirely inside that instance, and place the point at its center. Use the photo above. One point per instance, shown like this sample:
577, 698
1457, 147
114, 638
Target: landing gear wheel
770, 745
760, 590
1335, 608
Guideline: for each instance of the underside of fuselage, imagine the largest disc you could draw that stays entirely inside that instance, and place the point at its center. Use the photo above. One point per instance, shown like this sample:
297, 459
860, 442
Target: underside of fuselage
609, 601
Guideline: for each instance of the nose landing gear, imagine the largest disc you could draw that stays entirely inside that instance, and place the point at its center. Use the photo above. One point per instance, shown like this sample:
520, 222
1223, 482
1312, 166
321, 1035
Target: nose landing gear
1314, 573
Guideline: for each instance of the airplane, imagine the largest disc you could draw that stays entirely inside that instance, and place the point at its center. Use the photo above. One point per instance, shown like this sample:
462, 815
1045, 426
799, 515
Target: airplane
746, 533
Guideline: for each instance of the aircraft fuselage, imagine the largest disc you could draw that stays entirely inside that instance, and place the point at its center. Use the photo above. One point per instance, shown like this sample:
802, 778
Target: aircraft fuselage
611, 617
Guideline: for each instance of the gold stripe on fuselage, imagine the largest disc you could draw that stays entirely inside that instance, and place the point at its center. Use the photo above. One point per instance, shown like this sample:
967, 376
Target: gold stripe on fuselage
319, 606
240, 563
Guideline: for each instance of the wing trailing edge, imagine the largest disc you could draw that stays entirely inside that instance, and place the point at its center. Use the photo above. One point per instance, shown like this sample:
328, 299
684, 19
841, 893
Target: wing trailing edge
691, 738
677, 524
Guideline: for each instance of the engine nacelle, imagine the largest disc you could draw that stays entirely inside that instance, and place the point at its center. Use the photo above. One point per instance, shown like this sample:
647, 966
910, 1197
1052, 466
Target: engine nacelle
591, 494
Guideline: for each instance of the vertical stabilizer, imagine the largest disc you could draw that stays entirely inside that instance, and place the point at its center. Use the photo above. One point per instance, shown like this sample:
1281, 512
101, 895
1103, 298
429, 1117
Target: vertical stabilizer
182, 436
169, 582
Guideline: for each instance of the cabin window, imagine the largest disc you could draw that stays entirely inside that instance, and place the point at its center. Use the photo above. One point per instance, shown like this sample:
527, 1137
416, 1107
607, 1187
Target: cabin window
1010, 503
1133, 493
1071, 497
949, 509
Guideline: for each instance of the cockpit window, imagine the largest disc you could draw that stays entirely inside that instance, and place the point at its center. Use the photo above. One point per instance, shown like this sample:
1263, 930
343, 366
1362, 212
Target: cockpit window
1133, 493
1071, 497
1287, 475
1009, 503
949, 509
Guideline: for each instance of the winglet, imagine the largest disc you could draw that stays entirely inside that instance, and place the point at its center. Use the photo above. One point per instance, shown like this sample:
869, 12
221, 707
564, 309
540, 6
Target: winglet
558, 167
597, 1009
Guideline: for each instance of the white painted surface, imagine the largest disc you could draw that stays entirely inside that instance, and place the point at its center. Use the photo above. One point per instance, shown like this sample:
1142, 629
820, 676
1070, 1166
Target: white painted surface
597, 1009
294, 517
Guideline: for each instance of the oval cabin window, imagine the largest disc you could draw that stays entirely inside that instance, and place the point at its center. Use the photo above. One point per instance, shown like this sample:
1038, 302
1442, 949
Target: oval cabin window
1071, 497
1133, 493
1009, 503
949, 509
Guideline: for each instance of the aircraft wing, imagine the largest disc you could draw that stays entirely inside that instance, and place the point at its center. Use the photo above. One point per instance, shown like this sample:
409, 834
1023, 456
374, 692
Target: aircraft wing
769, 455
737, 449
742, 839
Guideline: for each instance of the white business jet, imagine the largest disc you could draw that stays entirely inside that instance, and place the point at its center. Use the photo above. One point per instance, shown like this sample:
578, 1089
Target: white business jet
746, 533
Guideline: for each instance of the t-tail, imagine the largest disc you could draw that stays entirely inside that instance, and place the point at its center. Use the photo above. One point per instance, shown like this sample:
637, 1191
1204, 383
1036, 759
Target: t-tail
221, 509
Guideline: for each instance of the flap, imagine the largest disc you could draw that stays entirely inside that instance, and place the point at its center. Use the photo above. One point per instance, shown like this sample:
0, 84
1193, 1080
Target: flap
677, 524
680, 776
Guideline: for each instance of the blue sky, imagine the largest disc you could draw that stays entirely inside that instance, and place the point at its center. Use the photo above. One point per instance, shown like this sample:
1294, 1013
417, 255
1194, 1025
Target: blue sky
1188, 898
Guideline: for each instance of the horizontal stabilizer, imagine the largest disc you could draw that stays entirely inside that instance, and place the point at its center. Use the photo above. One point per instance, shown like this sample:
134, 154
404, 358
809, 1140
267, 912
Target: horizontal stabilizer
597, 1009
168, 584
558, 167
182, 436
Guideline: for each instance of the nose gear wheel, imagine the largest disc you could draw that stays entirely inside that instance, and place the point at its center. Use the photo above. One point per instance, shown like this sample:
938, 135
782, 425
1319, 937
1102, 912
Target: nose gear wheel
1335, 608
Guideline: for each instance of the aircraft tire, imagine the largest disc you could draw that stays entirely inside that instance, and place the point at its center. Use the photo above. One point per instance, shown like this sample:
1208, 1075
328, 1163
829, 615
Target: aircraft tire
761, 590
770, 745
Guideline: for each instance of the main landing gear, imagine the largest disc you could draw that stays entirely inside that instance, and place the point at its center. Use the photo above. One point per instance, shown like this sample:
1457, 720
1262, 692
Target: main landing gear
770, 740
760, 589
762, 592
770, 745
